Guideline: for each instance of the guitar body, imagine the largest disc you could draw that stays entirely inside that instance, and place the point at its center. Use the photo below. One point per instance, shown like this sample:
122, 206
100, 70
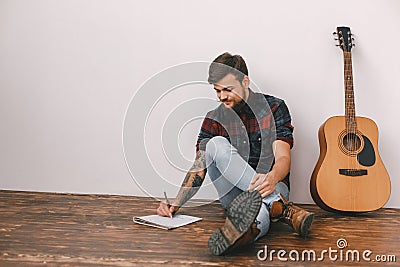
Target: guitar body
349, 175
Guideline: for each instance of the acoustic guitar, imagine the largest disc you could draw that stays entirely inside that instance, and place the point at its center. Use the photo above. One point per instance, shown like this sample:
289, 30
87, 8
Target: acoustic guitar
349, 175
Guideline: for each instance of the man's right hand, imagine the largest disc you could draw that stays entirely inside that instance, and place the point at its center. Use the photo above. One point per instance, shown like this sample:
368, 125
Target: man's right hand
167, 210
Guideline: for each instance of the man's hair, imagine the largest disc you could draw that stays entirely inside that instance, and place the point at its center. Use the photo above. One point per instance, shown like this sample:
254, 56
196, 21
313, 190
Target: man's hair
225, 64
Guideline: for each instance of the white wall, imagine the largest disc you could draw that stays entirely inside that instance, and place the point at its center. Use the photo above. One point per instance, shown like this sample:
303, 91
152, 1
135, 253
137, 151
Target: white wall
68, 70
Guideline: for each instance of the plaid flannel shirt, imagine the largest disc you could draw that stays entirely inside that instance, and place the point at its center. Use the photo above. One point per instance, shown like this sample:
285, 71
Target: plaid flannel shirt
251, 129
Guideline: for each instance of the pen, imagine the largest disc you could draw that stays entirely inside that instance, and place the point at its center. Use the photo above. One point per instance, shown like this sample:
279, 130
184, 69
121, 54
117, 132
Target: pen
167, 201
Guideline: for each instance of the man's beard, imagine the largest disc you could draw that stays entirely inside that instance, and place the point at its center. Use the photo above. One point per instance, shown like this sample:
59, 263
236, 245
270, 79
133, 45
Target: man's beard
238, 106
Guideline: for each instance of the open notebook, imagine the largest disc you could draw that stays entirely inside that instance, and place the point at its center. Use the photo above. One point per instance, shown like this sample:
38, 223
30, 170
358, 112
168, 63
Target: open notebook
166, 222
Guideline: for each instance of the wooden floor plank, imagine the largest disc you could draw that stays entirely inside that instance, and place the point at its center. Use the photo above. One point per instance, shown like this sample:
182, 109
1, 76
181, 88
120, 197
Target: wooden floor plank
93, 230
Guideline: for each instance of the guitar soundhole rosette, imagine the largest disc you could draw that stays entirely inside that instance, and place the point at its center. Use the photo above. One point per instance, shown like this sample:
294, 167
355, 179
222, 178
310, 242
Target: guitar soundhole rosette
350, 143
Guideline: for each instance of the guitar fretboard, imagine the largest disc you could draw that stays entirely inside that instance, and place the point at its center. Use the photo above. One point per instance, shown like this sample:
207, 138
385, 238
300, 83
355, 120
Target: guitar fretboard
350, 111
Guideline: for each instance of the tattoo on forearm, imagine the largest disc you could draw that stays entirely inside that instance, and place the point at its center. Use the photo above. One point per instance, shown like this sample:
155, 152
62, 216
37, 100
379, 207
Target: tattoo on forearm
186, 193
193, 179
200, 162
197, 181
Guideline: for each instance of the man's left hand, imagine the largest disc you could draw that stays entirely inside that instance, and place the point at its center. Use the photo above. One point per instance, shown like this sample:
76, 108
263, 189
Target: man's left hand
263, 183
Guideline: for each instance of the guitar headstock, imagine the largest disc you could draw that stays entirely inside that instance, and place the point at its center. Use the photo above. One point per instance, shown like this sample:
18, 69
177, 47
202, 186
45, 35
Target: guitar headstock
345, 38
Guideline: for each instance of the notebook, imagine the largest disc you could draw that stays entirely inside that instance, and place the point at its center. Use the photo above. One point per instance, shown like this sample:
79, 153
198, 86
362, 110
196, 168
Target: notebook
166, 223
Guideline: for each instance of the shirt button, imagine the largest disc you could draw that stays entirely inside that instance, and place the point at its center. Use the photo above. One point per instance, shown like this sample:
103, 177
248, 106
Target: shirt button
243, 126
244, 142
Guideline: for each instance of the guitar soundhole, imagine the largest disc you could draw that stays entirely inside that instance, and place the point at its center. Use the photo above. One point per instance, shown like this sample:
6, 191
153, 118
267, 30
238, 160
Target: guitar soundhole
351, 142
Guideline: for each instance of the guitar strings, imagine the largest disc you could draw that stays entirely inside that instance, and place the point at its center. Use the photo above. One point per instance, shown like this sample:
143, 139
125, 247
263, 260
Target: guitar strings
351, 126
350, 118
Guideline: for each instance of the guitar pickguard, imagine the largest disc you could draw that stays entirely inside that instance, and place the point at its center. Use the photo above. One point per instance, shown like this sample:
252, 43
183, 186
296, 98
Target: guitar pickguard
367, 155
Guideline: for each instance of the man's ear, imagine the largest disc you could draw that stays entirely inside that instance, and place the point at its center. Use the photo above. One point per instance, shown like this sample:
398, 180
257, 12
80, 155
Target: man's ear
246, 81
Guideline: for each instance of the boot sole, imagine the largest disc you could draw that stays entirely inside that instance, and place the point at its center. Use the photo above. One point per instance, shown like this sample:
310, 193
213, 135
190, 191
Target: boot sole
306, 224
240, 215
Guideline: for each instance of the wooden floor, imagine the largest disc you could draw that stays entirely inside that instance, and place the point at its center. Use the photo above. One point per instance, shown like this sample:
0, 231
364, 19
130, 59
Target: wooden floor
42, 229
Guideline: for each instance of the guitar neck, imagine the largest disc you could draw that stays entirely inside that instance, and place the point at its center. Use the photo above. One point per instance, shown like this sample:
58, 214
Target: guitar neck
350, 111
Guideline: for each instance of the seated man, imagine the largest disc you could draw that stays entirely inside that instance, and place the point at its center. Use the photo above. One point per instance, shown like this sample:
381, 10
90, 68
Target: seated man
244, 145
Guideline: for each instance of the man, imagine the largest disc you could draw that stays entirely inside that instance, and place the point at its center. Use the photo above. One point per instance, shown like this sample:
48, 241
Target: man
244, 145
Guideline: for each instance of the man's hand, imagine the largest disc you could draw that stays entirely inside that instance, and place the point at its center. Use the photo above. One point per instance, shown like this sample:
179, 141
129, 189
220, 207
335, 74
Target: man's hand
167, 210
263, 183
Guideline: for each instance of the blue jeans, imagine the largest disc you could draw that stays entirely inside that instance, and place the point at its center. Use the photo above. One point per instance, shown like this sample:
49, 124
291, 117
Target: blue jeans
231, 175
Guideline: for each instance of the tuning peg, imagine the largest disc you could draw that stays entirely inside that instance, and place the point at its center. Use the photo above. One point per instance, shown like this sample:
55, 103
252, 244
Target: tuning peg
334, 33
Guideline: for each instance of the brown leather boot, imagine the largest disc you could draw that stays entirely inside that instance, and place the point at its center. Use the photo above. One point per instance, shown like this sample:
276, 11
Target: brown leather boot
298, 218
248, 237
240, 228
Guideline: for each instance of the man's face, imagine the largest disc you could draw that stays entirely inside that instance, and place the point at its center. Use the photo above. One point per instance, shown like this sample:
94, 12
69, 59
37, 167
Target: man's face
230, 91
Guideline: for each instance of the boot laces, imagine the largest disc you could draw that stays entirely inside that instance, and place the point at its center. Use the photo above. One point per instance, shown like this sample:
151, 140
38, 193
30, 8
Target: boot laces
289, 211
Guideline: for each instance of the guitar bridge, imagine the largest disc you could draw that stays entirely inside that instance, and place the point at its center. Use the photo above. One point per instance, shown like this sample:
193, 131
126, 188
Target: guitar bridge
353, 172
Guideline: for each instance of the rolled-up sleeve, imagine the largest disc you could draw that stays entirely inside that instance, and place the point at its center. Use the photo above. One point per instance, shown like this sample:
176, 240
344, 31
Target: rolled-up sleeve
207, 131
